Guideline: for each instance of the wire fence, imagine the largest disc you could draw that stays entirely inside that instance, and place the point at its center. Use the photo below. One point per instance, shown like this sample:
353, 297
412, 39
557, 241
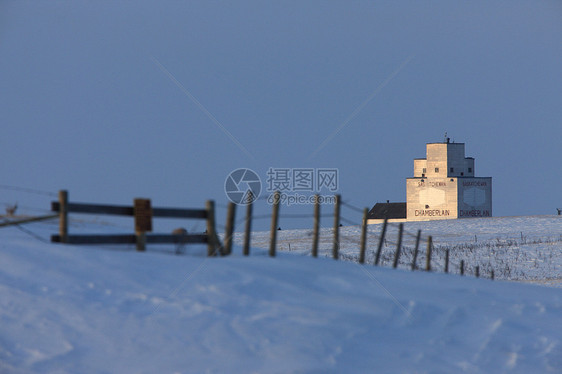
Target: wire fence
386, 244
362, 242
28, 190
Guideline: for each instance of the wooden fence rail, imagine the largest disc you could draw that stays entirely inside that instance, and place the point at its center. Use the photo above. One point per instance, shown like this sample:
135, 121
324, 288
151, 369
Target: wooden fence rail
131, 239
118, 210
21, 221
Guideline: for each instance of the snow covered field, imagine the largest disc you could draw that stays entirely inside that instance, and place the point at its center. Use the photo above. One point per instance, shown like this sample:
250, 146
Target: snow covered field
70, 309
516, 248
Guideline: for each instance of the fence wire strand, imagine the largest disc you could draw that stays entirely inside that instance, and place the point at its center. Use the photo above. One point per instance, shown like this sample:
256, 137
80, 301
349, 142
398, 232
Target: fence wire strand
32, 234
350, 222
27, 190
352, 207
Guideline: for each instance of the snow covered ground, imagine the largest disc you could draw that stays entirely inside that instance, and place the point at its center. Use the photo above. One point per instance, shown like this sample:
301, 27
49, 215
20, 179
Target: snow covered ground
516, 248
71, 309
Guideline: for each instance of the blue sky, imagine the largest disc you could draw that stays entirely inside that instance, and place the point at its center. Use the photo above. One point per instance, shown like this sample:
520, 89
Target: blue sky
115, 99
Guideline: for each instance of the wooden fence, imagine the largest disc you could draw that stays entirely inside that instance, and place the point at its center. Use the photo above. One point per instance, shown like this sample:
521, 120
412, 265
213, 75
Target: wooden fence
143, 212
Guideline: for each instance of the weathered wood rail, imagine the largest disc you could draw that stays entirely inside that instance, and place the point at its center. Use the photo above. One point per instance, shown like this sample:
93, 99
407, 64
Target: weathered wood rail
20, 221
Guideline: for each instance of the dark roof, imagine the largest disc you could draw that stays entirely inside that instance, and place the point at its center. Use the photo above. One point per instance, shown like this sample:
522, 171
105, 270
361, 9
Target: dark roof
387, 210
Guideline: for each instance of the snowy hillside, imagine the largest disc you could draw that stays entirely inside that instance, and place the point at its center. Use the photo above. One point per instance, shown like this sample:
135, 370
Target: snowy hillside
70, 309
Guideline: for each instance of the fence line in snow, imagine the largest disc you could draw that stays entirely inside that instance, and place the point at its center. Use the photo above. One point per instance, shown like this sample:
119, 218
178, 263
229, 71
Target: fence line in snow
143, 213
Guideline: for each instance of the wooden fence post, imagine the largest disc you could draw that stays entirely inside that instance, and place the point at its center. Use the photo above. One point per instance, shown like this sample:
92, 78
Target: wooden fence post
492, 275
316, 225
381, 241
428, 257
335, 250
274, 221
142, 210
447, 260
248, 228
477, 271
141, 241
462, 267
363, 243
212, 240
398, 245
414, 264
229, 228
63, 216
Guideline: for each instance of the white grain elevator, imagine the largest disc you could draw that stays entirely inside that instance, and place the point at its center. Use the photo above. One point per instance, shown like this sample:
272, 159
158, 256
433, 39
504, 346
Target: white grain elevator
444, 185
